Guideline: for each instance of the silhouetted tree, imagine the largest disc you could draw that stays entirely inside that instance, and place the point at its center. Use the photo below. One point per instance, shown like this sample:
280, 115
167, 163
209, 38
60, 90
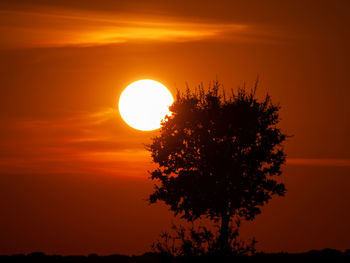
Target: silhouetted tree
218, 156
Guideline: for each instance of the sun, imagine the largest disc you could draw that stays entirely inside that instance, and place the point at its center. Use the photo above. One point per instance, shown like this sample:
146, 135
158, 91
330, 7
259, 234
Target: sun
144, 103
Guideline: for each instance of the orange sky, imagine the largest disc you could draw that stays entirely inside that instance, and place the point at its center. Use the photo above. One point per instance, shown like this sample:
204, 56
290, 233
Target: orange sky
74, 175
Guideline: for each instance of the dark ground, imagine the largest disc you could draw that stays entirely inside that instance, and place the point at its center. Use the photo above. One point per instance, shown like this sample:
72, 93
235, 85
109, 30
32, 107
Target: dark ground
326, 255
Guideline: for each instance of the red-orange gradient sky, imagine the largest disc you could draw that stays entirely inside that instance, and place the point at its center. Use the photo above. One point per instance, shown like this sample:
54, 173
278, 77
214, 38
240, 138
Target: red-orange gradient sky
73, 175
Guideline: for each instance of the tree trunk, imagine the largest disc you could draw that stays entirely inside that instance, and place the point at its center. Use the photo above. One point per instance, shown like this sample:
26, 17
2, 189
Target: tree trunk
224, 246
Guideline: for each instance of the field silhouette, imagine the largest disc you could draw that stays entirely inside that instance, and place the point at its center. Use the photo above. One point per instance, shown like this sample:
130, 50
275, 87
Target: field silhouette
325, 255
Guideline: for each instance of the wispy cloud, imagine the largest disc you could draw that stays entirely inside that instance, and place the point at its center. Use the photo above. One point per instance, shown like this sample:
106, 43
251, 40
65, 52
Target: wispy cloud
67, 28
83, 143
319, 162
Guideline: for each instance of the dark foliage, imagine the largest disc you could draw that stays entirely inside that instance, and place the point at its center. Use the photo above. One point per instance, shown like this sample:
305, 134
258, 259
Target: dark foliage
198, 242
218, 156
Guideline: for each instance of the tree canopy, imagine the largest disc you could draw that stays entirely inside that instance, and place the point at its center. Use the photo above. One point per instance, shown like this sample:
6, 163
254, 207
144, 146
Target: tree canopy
218, 156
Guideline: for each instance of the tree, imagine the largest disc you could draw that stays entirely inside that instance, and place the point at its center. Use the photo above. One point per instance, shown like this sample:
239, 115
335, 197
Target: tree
218, 157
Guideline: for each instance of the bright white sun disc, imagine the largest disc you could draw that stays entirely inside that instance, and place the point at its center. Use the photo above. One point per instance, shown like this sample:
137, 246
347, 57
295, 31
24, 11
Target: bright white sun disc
144, 103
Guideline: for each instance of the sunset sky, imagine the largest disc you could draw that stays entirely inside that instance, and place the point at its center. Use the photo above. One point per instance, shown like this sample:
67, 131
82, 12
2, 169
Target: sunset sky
73, 174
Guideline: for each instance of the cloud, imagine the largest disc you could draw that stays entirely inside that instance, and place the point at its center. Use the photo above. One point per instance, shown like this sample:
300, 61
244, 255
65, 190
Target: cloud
318, 162
84, 143
81, 28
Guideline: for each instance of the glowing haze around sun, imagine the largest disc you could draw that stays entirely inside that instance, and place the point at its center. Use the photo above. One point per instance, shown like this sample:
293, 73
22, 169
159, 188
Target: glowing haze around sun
144, 103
